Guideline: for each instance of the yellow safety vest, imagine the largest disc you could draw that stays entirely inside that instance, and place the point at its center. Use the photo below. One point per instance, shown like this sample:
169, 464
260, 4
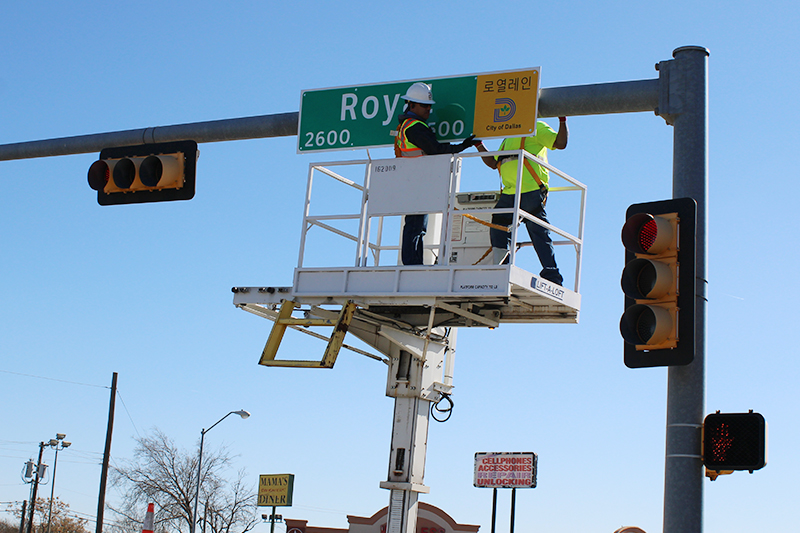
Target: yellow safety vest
402, 146
530, 170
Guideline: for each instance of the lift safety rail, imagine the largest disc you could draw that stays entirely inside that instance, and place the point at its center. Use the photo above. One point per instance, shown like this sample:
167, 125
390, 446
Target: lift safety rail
359, 214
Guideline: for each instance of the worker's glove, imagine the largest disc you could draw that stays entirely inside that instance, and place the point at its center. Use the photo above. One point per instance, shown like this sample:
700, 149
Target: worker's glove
469, 141
543, 189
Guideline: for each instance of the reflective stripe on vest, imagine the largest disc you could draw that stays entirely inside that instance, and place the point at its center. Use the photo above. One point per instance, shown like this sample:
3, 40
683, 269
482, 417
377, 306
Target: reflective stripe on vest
402, 146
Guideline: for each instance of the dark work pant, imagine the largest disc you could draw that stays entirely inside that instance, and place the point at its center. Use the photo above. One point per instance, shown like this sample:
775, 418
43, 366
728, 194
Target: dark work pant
540, 237
413, 232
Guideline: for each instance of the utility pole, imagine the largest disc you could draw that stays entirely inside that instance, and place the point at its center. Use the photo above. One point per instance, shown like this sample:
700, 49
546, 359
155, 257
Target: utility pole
101, 498
36, 485
22, 517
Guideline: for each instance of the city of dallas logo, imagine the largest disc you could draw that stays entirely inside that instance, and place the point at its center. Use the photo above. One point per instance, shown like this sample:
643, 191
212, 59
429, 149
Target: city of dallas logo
505, 109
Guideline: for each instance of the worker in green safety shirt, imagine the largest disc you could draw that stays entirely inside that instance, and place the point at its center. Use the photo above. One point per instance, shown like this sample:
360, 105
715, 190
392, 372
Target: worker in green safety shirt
533, 193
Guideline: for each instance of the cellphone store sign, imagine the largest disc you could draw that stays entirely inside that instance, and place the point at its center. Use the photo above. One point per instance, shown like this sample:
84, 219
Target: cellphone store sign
512, 470
496, 104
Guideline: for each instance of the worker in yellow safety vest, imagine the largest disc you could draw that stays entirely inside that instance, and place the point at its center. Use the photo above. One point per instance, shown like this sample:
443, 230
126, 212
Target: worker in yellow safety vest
533, 193
415, 138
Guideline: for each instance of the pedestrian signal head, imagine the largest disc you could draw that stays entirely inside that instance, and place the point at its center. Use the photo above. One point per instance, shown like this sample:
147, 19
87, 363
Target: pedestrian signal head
734, 441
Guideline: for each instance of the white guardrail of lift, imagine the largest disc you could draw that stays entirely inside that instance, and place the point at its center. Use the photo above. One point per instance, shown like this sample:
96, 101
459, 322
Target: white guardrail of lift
429, 184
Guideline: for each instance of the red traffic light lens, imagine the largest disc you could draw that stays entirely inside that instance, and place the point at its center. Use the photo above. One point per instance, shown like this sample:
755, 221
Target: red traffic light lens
648, 234
644, 233
99, 174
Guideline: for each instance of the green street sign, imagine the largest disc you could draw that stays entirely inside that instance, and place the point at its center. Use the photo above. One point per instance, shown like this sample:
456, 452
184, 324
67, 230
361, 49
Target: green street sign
498, 104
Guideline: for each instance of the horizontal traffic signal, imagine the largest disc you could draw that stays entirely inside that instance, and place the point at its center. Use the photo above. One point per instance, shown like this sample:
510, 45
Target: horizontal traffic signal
158, 172
659, 283
734, 441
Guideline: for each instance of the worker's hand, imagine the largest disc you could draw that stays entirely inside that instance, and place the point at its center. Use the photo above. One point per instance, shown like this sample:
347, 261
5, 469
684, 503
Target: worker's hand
469, 141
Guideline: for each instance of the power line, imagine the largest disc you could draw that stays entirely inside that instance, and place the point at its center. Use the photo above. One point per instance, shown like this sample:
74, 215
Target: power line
128, 413
54, 379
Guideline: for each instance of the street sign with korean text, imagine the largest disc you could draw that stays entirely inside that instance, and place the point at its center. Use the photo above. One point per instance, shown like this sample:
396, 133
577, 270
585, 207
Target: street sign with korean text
495, 104
275, 490
509, 470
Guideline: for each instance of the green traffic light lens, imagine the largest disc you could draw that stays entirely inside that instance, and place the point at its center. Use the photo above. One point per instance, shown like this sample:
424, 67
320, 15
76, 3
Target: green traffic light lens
645, 325
150, 171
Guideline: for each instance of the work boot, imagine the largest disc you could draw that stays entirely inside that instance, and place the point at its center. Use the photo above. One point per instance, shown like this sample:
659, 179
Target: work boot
552, 275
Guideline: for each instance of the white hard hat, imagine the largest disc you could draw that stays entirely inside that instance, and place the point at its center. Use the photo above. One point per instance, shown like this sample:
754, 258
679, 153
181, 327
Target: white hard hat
420, 93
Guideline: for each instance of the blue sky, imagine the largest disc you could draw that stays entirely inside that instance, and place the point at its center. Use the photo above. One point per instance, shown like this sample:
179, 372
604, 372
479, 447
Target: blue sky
144, 290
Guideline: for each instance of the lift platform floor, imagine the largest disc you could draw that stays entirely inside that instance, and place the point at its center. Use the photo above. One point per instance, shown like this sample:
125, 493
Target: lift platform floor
482, 296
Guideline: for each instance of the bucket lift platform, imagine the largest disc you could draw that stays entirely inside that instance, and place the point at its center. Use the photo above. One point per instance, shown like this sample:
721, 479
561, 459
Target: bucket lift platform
464, 297
458, 287
411, 314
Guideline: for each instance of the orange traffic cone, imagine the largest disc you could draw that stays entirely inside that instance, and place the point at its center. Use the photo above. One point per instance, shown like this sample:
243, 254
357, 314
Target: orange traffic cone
148, 520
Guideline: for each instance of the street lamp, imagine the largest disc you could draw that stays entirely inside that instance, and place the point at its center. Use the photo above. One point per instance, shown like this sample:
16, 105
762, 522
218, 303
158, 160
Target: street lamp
244, 414
57, 443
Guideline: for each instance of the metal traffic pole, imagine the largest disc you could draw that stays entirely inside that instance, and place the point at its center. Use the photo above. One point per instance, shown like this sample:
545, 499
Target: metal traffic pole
683, 477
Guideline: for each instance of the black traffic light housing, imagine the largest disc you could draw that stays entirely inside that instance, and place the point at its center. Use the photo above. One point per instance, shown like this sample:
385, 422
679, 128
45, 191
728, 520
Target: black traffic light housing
659, 283
734, 441
157, 172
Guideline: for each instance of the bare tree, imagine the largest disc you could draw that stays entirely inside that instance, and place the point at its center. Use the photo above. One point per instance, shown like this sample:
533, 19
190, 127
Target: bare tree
8, 527
62, 521
166, 476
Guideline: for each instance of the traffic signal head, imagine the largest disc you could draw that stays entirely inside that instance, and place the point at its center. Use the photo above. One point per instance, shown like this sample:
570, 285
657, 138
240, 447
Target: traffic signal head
158, 172
734, 441
659, 283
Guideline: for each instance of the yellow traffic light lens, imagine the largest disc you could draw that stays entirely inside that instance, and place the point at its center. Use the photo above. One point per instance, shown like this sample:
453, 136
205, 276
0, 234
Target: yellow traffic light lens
124, 173
646, 279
